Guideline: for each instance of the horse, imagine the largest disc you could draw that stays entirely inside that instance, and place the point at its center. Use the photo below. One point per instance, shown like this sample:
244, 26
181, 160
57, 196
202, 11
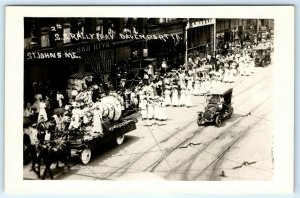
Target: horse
48, 152
47, 148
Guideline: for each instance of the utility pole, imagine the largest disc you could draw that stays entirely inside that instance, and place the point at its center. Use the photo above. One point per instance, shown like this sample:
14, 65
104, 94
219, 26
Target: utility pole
185, 40
215, 35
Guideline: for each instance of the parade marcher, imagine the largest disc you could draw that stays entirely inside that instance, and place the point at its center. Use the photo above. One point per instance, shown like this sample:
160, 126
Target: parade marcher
167, 96
150, 108
213, 82
42, 112
251, 65
162, 110
196, 90
175, 100
182, 79
188, 98
226, 72
143, 107
156, 107
231, 74
190, 82
182, 99
246, 67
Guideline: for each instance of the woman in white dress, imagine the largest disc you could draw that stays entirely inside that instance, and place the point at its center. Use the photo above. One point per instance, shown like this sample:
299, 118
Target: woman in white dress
182, 79
251, 65
202, 89
167, 96
196, 90
188, 98
162, 110
175, 100
242, 66
150, 109
226, 73
42, 112
232, 73
97, 118
156, 107
190, 83
144, 108
182, 99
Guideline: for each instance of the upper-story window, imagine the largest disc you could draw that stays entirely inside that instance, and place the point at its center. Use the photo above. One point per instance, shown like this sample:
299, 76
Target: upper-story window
45, 41
66, 33
99, 26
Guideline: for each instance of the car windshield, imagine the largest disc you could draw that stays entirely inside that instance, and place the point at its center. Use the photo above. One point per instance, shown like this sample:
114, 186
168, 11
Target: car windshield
213, 100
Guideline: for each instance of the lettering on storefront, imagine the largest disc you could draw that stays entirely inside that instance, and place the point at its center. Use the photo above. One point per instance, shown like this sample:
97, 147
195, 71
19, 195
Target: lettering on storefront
69, 53
51, 55
162, 37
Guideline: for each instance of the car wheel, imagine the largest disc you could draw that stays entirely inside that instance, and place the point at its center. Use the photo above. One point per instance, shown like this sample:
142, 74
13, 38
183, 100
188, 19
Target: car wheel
199, 120
85, 156
218, 121
231, 113
120, 139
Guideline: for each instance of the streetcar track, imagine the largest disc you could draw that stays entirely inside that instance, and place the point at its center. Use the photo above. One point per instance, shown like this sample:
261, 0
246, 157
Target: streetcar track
132, 162
155, 164
222, 156
230, 144
127, 166
192, 159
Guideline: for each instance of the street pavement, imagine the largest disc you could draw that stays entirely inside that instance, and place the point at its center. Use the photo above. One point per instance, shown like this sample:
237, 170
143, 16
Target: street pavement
178, 149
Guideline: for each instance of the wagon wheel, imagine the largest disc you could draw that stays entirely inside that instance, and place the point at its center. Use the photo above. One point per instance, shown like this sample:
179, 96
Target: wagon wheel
85, 156
199, 120
120, 139
218, 121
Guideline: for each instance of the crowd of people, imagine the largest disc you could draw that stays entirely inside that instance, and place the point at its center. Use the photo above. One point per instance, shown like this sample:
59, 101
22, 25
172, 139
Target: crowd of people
161, 86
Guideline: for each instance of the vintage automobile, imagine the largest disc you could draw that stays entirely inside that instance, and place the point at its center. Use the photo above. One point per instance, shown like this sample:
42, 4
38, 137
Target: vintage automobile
262, 56
218, 107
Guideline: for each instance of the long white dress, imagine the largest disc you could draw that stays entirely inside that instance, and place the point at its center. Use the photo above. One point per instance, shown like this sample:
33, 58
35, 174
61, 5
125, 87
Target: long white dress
97, 116
144, 108
182, 80
162, 111
231, 73
150, 110
156, 110
190, 83
42, 112
182, 100
188, 98
226, 75
175, 101
168, 97
196, 90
